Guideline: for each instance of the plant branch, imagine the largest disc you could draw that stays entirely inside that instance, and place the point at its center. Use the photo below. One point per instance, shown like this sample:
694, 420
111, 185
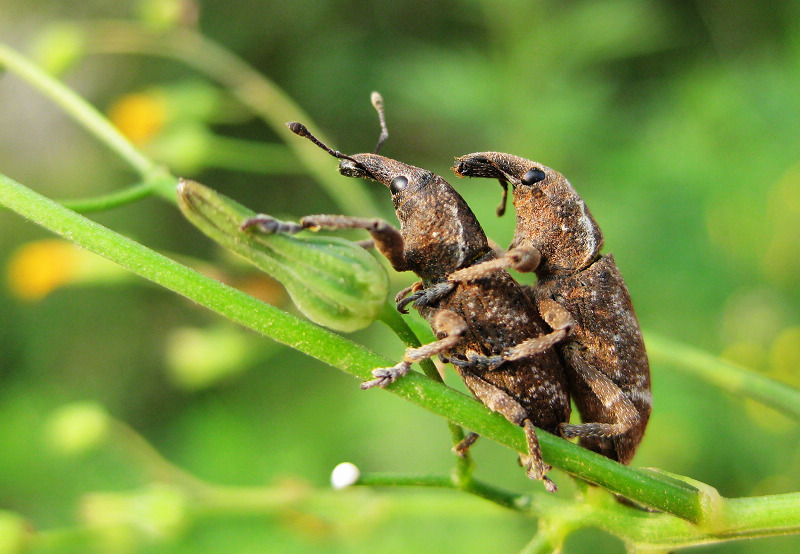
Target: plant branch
730, 377
648, 489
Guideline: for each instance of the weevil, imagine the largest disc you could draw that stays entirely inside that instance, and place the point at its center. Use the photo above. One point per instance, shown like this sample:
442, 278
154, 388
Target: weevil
472, 320
604, 356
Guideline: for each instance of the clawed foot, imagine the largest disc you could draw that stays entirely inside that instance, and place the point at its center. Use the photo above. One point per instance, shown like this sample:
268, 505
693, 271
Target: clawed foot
479, 361
536, 469
463, 447
269, 225
386, 375
422, 297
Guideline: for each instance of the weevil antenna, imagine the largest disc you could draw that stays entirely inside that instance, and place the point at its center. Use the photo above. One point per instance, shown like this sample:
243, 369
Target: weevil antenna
301, 130
377, 101
501, 209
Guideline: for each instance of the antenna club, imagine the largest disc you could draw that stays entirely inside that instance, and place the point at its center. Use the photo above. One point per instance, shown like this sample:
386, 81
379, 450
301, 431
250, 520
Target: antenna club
377, 100
298, 128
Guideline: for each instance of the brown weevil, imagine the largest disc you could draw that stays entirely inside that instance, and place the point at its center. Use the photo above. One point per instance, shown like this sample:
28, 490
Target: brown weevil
473, 320
604, 355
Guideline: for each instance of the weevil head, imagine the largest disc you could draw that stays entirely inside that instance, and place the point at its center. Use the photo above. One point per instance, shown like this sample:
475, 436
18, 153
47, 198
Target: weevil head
440, 231
551, 216
404, 181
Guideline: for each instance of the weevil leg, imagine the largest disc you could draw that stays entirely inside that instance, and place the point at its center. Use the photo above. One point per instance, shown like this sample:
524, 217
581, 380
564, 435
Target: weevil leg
270, 225
558, 318
521, 258
400, 299
500, 401
479, 361
622, 413
387, 239
420, 296
533, 463
463, 447
449, 328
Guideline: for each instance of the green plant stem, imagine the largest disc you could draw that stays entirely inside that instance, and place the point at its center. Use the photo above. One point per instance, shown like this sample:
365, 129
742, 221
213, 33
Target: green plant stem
247, 155
728, 376
391, 317
736, 518
478, 488
344, 354
251, 88
123, 197
78, 109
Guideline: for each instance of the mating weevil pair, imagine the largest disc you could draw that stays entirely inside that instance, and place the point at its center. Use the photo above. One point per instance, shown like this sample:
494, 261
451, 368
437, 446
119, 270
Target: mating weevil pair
521, 351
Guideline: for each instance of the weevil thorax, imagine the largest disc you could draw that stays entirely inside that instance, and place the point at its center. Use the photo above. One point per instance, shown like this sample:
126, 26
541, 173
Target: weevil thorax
550, 215
440, 232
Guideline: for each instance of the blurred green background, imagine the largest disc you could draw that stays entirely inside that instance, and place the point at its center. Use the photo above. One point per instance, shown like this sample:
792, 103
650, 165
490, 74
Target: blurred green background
678, 122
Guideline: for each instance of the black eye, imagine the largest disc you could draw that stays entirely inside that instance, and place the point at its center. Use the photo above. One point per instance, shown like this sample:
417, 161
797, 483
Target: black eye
533, 176
398, 184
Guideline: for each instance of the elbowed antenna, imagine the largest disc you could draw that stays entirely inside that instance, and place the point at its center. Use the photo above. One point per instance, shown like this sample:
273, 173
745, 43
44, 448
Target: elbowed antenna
377, 101
301, 130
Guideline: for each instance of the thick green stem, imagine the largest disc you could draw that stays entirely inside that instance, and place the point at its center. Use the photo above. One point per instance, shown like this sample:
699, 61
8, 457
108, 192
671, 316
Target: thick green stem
391, 317
246, 155
728, 376
344, 354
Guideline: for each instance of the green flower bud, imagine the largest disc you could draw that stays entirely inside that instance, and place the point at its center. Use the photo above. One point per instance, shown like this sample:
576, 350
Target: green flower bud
59, 47
159, 511
15, 533
200, 358
163, 15
334, 282
77, 428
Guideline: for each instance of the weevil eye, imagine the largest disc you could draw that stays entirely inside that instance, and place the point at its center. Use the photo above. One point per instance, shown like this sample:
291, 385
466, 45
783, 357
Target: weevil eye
533, 176
398, 184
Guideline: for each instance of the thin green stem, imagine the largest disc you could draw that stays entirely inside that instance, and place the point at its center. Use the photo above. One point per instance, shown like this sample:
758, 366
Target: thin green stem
251, 88
728, 376
344, 354
78, 109
541, 543
247, 155
122, 197
391, 317
475, 487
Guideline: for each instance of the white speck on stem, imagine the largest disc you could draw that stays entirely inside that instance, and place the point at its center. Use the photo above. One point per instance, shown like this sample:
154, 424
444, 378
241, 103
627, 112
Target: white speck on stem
344, 475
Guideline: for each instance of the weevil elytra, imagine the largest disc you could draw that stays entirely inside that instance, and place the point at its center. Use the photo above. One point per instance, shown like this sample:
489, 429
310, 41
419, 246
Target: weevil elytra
472, 320
604, 355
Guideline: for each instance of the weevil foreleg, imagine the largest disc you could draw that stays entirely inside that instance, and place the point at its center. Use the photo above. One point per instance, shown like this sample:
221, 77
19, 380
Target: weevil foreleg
556, 316
388, 240
449, 328
522, 258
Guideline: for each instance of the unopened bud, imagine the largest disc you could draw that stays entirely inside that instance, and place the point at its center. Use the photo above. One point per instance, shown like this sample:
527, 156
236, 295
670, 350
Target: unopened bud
334, 282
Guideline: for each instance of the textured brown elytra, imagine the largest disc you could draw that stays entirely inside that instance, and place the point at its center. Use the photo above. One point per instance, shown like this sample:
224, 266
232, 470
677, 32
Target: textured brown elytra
474, 321
604, 355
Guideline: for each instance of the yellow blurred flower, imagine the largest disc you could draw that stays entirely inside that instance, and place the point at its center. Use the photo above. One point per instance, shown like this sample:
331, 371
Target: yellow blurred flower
37, 268
77, 428
781, 258
139, 116
785, 356
780, 362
